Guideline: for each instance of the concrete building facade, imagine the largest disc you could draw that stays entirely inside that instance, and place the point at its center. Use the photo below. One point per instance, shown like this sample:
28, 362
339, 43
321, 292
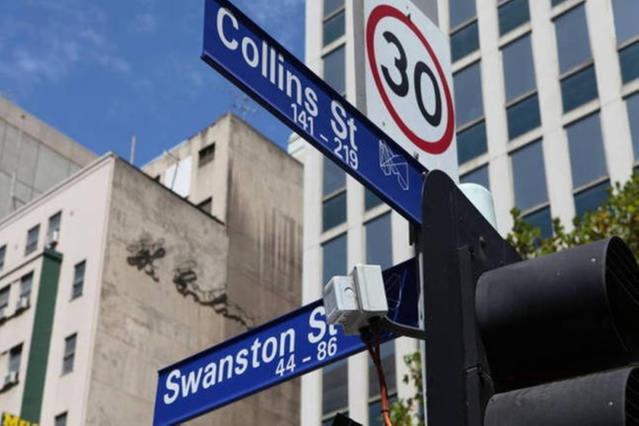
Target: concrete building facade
547, 108
124, 277
33, 157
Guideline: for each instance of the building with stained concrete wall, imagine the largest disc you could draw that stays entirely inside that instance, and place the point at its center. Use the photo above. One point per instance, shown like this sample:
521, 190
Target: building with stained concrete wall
33, 157
123, 277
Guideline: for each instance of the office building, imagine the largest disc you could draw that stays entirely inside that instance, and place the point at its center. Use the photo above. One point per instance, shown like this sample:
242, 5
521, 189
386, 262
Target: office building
33, 157
547, 108
109, 276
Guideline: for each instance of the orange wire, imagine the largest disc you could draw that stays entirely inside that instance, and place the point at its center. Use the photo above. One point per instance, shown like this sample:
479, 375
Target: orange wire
383, 390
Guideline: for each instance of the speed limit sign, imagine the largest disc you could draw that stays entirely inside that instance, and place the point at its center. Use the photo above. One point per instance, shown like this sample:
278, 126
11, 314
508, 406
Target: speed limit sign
408, 82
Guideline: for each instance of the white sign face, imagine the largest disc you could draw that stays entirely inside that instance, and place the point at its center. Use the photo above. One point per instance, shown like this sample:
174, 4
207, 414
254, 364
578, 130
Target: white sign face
408, 82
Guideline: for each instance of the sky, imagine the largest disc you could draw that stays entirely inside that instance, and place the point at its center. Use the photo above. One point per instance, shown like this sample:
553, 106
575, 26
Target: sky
104, 71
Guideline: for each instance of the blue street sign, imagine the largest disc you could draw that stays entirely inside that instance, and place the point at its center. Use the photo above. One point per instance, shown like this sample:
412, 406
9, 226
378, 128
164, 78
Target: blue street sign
294, 344
250, 58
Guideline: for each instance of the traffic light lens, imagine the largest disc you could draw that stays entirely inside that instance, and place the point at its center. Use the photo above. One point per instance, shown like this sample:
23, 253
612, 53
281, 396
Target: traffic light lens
566, 314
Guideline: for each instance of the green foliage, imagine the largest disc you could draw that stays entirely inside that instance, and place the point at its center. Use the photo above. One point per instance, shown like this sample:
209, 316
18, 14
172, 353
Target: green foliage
619, 216
408, 412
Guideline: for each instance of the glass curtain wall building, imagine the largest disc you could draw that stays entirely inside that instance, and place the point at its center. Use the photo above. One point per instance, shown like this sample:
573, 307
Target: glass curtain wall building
561, 118
547, 103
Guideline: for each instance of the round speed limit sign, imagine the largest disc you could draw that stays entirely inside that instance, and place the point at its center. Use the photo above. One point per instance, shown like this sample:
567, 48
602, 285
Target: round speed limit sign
407, 82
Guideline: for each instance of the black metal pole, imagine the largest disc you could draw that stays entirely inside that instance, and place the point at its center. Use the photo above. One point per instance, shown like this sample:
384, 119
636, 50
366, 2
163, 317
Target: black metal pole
457, 245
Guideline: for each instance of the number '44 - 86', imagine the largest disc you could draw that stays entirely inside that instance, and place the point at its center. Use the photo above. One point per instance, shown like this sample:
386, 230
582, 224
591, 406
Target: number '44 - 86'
282, 367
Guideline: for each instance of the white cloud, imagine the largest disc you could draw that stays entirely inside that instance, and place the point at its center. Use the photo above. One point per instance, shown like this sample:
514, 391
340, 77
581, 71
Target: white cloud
144, 23
277, 17
114, 63
50, 51
91, 36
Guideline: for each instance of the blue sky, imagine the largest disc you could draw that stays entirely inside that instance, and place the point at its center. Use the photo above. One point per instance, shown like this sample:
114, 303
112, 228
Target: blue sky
103, 71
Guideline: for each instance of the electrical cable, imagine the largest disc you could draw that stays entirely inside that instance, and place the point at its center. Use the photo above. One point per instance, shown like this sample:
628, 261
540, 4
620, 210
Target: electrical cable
401, 329
374, 350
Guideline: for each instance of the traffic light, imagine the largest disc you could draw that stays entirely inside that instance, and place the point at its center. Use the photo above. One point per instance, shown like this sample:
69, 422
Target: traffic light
547, 341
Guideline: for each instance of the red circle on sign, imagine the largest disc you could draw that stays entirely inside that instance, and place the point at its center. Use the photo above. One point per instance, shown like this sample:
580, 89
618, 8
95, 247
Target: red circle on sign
432, 147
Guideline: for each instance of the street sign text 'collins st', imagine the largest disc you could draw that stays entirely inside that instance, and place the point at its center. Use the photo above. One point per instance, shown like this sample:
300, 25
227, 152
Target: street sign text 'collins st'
250, 58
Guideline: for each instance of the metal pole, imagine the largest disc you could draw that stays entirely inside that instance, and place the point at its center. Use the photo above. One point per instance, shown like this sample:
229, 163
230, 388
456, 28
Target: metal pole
132, 153
430, 8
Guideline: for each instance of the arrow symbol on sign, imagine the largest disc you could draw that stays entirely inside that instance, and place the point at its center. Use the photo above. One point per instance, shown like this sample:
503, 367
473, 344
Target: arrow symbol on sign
391, 163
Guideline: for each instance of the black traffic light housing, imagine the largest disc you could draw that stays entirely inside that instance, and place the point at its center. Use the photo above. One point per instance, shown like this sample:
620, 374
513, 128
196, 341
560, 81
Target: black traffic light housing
508, 341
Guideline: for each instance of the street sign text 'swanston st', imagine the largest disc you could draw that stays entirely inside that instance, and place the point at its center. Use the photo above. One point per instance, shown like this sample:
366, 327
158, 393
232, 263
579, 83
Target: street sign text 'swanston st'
245, 54
280, 350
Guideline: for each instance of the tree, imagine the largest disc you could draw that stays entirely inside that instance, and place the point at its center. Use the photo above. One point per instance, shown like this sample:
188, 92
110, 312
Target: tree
618, 215
408, 412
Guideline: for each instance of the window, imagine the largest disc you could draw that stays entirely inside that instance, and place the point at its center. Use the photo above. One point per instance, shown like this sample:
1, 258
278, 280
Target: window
332, 6
522, 106
541, 219
334, 211
572, 39
523, 116
626, 12
15, 354
69, 353
464, 35
333, 25
629, 57
371, 200
512, 14
32, 240
529, 176
519, 69
206, 205
591, 198
586, 151
632, 103
334, 389
3, 254
578, 83
53, 230
379, 243
587, 161
4, 298
335, 70
579, 88
468, 94
464, 41
529, 179
471, 130
333, 178
471, 142
61, 419
333, 195
206, 155
78, 279
478, 176
333, 258
556, 2
26, 284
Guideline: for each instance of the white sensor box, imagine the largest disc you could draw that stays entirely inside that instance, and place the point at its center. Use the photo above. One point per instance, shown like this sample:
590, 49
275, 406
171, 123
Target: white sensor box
352, 300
